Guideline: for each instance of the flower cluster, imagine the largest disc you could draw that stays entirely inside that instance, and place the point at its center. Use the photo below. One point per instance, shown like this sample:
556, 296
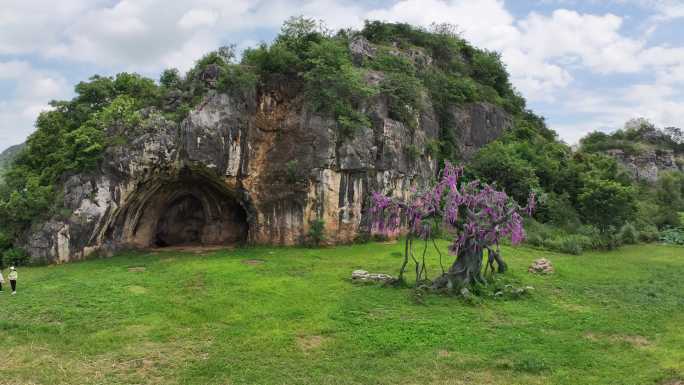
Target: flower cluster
476, 213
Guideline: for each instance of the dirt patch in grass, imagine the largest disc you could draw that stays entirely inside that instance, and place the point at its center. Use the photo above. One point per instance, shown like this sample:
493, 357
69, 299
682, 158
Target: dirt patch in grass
634, 340
309, 343
137, 289
637, 341
195, 249
672, 381
443, 353
138, 269
197, 282
253, 262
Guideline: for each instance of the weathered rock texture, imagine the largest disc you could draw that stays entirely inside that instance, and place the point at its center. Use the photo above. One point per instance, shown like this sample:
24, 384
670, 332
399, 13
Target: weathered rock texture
647, 165
364, 276
254, 168
541, 266
477, 124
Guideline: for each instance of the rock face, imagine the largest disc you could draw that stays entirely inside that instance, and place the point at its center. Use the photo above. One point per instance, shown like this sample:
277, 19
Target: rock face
477, 124
647, 165
252, 168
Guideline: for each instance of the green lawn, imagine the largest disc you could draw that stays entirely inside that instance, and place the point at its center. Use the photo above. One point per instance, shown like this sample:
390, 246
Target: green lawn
603, 318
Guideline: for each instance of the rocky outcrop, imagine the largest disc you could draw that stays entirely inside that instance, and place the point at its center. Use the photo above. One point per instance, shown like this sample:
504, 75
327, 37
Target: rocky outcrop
254, 168
648, 164
476, 124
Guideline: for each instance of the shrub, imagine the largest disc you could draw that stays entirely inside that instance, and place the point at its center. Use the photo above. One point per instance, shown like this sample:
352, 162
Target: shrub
558, 210
593, 236
387, 62
403, 93
413, 152
276, 59
236, 80
334, 86
649, 233
316, 234
569, 244
667, 218
14, 257
500, 163
628, 234
489, 70
606, 203
610, 239
672, 236
291, 171
170, 78
572, 244
535, 240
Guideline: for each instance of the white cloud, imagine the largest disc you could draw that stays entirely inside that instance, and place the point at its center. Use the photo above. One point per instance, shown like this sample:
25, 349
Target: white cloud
484, 22
540, 50
594, 40
198, 18
28, 26
546, 54
34, 89
608, 109
667, 9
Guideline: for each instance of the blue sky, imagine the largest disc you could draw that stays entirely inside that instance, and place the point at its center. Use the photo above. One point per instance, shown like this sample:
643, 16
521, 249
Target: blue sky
583, 64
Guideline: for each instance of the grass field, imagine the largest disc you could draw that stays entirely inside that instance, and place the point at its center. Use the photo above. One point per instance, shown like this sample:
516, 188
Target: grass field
293, 317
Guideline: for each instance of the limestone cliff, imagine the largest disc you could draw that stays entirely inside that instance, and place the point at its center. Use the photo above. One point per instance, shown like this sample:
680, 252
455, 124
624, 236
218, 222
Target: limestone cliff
255, 172
250, 168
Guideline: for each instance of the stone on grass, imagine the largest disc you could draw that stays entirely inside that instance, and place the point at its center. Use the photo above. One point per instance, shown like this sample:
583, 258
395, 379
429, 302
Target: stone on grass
541, 266
364, 276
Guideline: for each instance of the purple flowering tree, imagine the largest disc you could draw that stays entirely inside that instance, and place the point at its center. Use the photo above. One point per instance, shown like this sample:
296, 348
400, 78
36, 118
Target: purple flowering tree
474, 215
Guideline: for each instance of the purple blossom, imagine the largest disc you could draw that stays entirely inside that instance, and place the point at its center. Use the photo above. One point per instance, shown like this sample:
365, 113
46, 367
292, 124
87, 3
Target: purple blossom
476, 213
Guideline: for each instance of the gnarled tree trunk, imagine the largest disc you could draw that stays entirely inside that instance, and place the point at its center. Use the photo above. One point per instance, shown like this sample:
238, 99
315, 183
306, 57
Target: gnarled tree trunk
467, 268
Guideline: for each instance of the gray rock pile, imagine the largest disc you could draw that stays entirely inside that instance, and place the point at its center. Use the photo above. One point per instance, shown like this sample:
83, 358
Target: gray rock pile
364, 276
541, 266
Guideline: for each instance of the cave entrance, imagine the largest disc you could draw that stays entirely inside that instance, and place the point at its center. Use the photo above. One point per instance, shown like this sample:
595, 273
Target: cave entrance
191, 209
181, 223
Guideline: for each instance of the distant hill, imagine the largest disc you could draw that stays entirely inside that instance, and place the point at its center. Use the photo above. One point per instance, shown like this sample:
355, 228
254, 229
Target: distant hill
642, 148
7, 156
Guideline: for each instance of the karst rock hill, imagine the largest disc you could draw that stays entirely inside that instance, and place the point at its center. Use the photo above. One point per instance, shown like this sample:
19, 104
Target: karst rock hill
254, 167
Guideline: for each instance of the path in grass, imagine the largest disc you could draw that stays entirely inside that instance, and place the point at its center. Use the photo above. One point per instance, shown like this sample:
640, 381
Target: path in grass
226, 317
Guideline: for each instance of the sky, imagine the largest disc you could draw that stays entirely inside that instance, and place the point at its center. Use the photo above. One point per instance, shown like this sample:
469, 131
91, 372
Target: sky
584, 65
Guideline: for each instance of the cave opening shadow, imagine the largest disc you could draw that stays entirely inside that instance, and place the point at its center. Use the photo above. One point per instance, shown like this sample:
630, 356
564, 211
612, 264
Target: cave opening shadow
190, 210
181, 223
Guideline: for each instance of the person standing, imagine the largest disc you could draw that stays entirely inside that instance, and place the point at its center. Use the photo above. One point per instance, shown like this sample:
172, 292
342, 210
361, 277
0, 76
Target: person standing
13, 279
2, 280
